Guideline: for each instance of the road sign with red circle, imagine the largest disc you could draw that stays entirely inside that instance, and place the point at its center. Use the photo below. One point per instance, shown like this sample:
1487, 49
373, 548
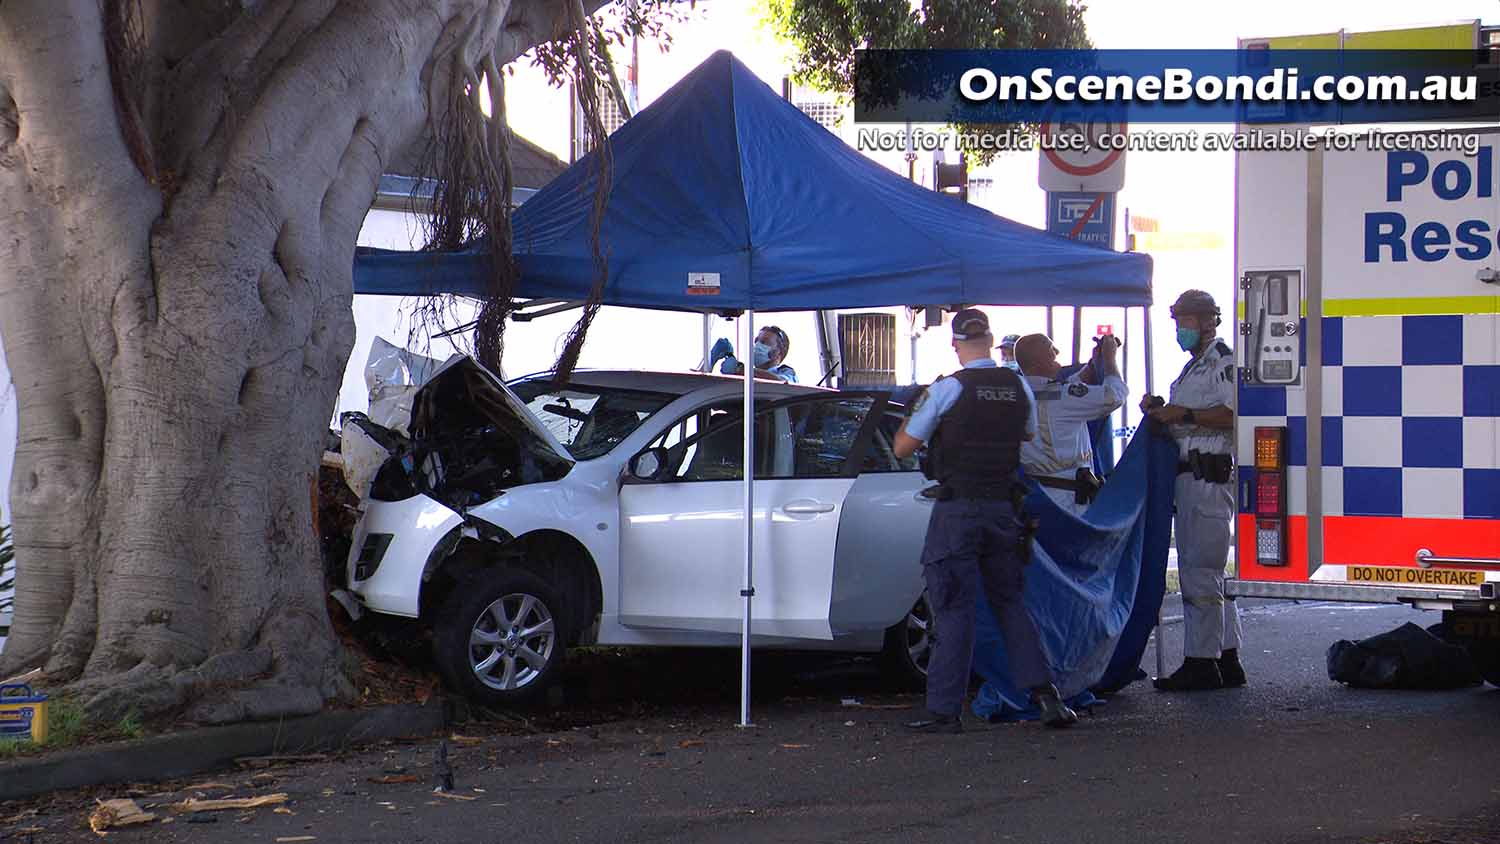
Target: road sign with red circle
1082, 155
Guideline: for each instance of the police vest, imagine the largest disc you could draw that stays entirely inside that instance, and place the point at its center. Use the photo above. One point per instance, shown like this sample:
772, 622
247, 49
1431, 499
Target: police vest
977, 447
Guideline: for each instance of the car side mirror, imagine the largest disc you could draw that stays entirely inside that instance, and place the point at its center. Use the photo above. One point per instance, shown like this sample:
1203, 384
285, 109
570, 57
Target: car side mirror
649, 465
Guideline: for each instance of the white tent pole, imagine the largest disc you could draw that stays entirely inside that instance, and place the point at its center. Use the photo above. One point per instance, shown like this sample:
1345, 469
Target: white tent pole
708, 340
748, 592
1161, 657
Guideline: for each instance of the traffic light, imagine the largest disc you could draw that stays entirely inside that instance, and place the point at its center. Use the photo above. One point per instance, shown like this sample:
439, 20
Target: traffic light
952, 179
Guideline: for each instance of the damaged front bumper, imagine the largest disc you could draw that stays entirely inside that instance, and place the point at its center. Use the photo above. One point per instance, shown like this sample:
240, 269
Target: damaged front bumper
391, 548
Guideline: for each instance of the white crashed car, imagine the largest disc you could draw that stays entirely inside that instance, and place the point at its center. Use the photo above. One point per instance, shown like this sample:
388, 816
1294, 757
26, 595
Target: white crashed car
521, 520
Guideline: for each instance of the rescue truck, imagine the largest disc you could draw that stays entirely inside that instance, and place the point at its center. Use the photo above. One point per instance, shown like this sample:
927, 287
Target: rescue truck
1367, 294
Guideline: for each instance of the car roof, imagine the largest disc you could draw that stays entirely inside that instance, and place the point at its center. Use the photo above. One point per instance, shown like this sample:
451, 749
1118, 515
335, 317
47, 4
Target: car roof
674, 383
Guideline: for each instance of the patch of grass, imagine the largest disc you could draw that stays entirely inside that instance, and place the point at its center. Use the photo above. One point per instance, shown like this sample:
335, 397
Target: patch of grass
69, 726
66, 722
131, 727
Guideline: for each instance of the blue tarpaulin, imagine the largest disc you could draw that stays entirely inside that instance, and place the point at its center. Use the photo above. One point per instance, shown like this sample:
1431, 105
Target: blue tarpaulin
1094, 585
726, 197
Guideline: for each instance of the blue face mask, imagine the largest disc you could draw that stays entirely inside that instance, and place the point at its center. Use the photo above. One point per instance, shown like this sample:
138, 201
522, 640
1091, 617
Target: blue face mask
1188, 338
761, 355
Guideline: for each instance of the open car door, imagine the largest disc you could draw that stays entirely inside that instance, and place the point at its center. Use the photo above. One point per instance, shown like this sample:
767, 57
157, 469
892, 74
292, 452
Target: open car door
682, 546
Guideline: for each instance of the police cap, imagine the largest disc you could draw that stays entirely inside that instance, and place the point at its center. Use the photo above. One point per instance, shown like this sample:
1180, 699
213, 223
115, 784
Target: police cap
970, 324
1194, 302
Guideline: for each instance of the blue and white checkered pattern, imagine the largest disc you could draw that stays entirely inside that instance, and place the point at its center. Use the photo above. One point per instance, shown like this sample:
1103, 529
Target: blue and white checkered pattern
1410, 407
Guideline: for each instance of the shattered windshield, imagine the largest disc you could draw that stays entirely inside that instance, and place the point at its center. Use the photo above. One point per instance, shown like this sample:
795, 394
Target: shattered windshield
589, 421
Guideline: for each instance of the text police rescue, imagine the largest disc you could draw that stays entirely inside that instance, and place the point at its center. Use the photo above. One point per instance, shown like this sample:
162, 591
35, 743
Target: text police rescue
1389, 236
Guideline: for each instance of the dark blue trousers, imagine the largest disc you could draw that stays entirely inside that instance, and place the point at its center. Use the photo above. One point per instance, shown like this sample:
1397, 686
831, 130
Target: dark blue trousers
971, 544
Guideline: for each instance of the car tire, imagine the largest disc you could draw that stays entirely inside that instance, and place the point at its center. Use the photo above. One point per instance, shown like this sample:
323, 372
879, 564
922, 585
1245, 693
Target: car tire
483, 660
908, 645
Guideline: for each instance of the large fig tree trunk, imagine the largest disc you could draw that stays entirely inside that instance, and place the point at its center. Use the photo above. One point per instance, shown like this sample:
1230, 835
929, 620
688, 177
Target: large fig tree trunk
180, 195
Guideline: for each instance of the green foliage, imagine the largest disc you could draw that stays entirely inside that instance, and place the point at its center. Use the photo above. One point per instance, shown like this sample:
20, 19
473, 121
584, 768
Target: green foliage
826, 33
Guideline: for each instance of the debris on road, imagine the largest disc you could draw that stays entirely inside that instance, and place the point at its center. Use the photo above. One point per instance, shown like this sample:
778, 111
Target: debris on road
268, 761
112, 814
194, 805
442, 772
395, 779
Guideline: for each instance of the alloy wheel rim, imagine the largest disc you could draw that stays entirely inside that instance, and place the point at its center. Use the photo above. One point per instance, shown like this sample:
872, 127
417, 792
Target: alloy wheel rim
919, 634
511, 642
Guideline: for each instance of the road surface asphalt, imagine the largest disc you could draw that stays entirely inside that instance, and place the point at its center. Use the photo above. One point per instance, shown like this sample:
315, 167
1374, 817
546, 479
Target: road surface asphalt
645, 750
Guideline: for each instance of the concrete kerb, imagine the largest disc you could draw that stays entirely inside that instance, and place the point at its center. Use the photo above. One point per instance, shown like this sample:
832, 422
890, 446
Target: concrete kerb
208, 748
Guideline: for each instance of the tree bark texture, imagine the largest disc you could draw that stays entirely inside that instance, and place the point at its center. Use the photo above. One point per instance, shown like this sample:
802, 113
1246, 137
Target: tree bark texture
177, 345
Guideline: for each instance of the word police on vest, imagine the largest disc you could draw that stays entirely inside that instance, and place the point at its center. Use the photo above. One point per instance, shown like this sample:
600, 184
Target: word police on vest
1390, 237
1005, 394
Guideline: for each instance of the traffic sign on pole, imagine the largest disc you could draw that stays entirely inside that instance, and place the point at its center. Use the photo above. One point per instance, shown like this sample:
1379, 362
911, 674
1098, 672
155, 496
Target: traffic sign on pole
1082, 155
1084, 217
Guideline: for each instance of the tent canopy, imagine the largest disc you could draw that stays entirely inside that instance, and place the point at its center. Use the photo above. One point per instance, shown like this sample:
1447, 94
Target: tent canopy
723, 182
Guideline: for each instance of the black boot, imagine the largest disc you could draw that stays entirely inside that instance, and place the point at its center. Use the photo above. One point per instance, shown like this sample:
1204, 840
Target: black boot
1055, 713
1230, 669
1196, 674
937, 724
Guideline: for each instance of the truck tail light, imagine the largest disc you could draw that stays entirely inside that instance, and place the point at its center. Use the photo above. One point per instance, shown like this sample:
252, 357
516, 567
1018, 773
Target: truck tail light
1269, 449
1270, 496
1270, 544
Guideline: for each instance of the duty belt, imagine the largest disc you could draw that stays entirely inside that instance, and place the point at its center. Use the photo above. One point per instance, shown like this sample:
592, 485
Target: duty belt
1085, 486
1214, 468
946, 492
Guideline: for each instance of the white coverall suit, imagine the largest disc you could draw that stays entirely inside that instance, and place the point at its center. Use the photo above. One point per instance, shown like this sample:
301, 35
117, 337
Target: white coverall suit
1062, 445
1204, 510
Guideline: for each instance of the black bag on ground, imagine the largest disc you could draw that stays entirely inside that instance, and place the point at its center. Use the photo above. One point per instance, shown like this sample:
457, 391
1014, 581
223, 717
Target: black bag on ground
1405, 658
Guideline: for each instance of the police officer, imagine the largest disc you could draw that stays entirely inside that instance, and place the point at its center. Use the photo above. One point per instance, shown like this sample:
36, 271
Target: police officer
1061, 456
769, 354
1008, 351
975, 422
1199, 417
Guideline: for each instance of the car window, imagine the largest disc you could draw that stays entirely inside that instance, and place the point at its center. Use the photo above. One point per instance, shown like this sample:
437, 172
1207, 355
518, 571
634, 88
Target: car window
681, 439
589, 421
807, 439
882, 454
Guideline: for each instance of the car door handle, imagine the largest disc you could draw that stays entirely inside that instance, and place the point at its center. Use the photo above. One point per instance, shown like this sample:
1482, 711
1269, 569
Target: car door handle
806, 507
923, 499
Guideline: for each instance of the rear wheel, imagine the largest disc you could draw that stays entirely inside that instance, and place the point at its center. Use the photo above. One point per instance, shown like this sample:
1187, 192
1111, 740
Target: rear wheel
500, 636
908, 646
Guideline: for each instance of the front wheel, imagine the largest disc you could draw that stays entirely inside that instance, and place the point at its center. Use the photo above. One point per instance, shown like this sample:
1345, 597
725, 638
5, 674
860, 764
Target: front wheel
908, 646
499, 638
